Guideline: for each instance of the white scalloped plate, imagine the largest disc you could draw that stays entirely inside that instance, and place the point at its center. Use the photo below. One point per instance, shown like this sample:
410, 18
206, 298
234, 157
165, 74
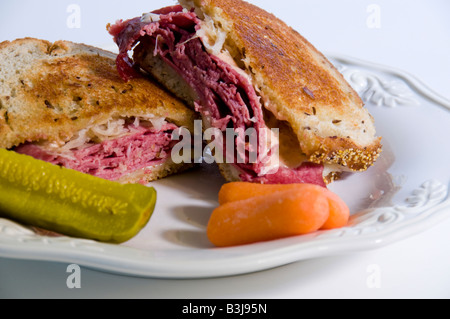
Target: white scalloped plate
405, 193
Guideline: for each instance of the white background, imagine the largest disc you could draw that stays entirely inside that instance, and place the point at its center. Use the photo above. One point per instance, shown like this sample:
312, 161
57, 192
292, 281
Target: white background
412, 35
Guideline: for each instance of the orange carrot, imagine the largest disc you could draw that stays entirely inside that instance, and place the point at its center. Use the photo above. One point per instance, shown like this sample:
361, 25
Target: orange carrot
268, 217
242, 190
339, 211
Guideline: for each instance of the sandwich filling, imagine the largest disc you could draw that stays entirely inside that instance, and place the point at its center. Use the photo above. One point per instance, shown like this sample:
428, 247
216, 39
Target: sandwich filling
224, 93
112, 150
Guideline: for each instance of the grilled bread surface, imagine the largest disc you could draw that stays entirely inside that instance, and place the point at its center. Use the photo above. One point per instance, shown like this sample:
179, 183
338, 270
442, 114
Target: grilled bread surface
51, 91
298, 84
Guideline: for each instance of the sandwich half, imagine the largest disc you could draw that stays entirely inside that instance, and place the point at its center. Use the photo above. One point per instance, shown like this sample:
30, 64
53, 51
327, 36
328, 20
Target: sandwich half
66, 104
241, 67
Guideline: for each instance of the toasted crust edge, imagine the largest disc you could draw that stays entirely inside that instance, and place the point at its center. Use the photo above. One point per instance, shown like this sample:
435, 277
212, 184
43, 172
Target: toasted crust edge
152, 174
64, 48
146, 97
331, 149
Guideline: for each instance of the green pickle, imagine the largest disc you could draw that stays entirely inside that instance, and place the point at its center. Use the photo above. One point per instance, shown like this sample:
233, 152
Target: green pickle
71, 203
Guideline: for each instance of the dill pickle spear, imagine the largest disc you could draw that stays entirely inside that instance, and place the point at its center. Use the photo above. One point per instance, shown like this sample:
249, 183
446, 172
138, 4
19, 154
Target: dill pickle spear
71, 203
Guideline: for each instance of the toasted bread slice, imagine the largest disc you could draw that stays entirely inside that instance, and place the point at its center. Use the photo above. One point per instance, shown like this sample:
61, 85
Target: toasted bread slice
297, 83
49, 92
52, 91
242, 67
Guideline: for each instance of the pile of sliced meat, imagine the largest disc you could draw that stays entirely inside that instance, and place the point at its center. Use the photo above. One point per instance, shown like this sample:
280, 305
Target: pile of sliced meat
226, 96
112, 159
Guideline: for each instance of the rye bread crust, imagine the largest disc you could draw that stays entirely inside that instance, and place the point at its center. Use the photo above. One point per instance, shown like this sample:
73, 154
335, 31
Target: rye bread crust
51, 91
298, 84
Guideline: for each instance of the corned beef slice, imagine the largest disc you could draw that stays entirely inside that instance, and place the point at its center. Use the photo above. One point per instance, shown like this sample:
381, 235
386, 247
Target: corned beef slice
112, 159
226, 97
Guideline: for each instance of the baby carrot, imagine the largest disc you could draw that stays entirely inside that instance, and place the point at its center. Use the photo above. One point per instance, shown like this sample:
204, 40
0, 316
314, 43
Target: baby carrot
339, 211
263, 218
236, 191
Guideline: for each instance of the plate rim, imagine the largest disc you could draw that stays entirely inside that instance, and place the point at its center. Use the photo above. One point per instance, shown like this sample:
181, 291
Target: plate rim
87, 253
